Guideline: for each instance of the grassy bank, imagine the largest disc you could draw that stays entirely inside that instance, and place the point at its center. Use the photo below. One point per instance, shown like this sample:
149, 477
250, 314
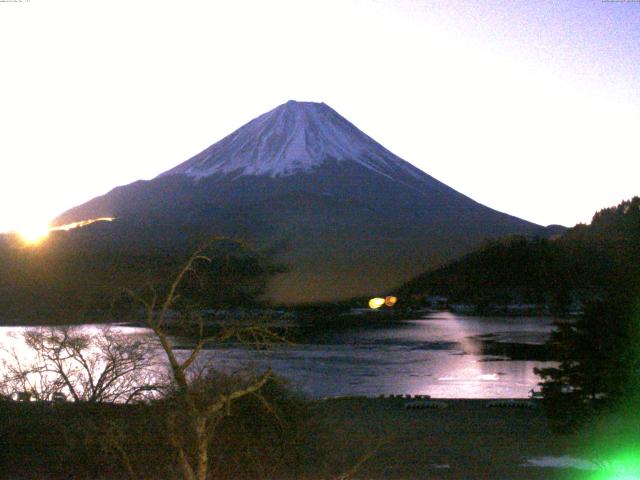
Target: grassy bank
466, 440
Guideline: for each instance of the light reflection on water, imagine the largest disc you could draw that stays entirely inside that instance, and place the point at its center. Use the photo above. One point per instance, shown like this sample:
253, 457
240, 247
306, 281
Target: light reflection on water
435, 355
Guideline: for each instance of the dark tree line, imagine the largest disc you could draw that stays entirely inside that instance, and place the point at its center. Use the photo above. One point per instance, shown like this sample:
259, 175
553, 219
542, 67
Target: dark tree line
599, 361
67, 279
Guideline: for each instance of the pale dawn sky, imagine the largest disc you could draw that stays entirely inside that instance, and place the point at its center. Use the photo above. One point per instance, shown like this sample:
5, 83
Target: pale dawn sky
529, 107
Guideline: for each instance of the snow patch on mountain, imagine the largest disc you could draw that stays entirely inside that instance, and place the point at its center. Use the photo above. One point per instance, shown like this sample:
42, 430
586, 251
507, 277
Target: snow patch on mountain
292, 138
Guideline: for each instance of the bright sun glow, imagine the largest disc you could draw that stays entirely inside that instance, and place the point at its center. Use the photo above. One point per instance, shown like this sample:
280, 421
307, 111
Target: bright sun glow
34, 232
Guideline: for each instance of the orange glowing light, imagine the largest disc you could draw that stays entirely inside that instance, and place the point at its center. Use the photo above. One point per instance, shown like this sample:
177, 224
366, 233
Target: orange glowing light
376, 303
390, 301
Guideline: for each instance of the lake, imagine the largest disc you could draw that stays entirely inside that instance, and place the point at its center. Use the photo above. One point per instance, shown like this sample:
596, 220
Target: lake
438, 355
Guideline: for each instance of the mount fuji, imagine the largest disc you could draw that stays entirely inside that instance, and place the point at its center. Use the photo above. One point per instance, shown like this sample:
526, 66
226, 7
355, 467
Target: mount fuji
345, 215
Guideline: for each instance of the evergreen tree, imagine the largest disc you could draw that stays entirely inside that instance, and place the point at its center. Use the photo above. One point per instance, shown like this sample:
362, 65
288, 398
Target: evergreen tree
599, 359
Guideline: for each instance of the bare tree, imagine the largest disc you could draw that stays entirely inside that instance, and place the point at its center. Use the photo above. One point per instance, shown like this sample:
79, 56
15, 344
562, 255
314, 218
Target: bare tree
67, 362
196, 407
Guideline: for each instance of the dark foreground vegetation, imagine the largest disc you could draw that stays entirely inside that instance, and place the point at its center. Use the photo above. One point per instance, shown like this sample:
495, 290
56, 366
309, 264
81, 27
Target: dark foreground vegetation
599, 363
330, 439
257, 436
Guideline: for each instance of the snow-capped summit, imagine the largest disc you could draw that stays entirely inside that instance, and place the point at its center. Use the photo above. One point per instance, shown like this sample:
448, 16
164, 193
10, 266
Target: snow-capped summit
292, 138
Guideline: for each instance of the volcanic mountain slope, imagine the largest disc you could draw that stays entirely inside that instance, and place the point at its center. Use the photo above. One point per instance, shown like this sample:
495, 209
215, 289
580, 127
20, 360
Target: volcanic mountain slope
343, 213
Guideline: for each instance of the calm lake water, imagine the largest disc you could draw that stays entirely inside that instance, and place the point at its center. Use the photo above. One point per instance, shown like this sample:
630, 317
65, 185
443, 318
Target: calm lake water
437, 355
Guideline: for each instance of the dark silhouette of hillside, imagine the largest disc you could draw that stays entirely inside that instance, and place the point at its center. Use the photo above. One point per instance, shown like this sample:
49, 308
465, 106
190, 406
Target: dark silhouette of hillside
583, 262
74, 278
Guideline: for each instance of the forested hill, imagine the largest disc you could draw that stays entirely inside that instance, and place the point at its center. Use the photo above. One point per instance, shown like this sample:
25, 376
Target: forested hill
584, 261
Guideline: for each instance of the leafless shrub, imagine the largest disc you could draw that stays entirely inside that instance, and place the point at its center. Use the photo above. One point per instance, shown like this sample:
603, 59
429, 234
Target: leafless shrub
68, 362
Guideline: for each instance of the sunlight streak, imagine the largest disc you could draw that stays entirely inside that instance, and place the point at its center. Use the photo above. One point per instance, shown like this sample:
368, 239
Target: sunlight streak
83, 223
